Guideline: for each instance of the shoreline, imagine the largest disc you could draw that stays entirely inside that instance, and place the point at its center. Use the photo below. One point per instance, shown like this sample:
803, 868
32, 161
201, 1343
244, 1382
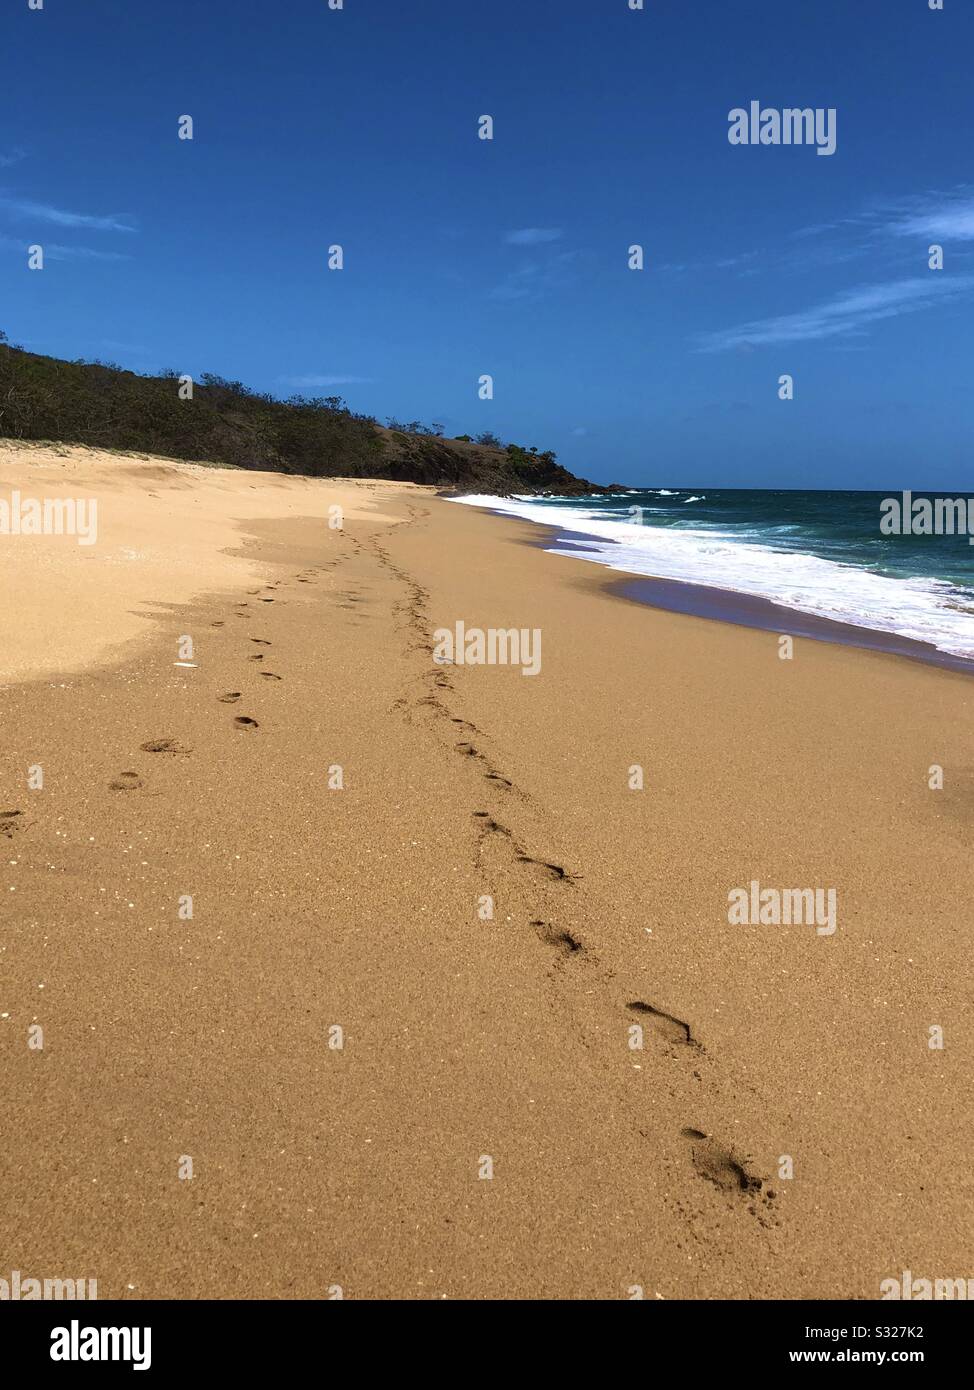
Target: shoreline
464, 1037
737, 608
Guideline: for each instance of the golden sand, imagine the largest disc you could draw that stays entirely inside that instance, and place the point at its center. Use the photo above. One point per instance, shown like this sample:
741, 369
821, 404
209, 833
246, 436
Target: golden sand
785, 1130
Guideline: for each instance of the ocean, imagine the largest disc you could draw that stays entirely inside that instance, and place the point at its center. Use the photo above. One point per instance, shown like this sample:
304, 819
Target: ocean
815, 553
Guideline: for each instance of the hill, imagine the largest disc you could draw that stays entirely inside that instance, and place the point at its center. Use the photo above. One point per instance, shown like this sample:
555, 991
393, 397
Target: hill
104, 406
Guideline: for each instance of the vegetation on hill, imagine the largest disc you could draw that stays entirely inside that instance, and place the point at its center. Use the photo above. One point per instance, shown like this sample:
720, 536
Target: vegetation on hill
104, 406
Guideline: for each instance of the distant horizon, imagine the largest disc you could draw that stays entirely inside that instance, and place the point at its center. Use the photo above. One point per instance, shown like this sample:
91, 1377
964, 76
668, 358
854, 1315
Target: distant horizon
464, 257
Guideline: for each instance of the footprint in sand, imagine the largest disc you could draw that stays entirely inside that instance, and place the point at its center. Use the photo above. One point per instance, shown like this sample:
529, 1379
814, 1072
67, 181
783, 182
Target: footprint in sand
270, 676
126, 782
9, 822
558, 937
164, 745
718, 1164
242, 722
230, 698
469, 751
672, 1029
259, 656
554, 871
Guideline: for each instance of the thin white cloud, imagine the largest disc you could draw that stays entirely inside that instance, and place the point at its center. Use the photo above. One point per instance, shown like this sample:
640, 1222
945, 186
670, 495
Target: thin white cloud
25, 209
843, 315
950, 218
54, 252
821, 228
533, 236
10, 157
302, 381
81, 253
536, 279
948, 215
738, 263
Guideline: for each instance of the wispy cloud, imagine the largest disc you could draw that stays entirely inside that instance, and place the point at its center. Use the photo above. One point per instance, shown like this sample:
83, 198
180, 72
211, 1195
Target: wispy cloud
10, 157
25, 209
735, 262
81, 253
841, 316
533, 236
743, 264
818, 229
302, 381
535, 279
54, 252
947, 217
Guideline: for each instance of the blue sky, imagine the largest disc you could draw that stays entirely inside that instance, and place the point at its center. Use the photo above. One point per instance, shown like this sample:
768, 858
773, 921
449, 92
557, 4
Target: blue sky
509, 257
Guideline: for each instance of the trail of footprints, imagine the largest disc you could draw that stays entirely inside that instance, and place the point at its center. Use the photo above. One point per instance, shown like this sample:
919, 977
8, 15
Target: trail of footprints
712, 1161
132, 781
129, 780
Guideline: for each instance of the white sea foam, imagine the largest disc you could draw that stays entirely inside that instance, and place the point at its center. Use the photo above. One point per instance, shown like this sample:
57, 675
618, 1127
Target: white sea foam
923, 609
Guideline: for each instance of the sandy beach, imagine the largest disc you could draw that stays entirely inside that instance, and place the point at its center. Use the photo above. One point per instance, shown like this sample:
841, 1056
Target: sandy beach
488, 1127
